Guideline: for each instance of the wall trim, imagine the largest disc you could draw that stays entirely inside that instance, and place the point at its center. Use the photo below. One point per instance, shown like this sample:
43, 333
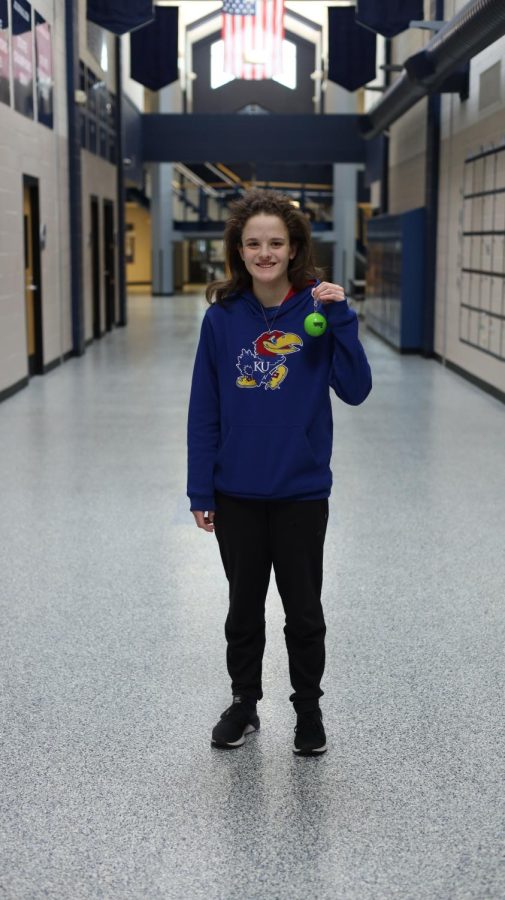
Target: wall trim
74, 176
120, 191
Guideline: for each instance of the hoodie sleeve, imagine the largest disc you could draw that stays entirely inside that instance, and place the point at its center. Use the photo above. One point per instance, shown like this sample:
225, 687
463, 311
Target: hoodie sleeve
203, 423
350, 375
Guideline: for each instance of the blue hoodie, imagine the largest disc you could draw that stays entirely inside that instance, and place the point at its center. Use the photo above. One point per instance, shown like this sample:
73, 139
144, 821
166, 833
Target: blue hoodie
260, 423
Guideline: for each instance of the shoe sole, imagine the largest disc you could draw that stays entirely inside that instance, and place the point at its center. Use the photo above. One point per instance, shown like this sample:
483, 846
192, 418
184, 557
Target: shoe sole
232, 745
315, 752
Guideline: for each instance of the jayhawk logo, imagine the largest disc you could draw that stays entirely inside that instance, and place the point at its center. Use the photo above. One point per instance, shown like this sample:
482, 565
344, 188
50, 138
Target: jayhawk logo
264, 366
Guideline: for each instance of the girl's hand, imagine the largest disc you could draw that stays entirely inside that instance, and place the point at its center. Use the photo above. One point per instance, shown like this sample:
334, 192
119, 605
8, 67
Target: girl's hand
328, 293
204, 521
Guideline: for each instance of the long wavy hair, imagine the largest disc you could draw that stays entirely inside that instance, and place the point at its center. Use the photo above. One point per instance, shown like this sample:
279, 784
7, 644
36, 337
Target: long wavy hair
301, 268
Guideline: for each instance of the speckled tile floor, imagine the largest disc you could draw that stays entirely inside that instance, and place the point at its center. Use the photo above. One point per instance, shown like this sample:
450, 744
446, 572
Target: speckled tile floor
112, 648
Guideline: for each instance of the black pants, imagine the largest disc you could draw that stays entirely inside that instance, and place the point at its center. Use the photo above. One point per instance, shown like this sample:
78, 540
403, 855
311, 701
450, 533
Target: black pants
253, 535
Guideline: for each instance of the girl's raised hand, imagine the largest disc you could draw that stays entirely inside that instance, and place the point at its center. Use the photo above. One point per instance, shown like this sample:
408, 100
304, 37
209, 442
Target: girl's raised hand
204, 521
328, 293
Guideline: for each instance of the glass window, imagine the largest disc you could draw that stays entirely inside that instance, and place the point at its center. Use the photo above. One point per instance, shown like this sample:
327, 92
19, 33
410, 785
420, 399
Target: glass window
218, 77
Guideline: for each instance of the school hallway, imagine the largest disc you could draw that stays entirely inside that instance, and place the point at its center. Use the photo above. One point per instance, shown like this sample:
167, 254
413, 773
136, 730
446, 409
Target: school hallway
112, 651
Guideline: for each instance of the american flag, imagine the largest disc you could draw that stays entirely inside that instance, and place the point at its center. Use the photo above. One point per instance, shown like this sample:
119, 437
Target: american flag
240, 7
253, 41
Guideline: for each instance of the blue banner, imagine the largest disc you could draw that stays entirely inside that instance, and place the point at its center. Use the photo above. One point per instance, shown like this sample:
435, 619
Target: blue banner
153, 50
120, 16
388, 17
351, 49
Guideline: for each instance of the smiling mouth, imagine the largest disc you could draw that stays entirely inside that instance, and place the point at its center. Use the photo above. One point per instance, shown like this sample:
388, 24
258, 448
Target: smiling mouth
265, 265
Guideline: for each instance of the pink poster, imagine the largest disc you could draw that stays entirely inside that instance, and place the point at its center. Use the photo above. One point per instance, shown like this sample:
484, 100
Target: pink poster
5, 94
22, 57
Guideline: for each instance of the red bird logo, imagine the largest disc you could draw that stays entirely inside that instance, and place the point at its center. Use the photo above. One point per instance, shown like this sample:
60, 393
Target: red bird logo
265, 366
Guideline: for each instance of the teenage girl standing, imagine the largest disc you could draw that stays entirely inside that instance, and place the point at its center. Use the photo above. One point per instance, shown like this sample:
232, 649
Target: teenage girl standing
259, 447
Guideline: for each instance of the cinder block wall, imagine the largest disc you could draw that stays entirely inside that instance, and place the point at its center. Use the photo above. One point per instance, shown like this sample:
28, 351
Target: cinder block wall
407, 143
467, 129
29, 148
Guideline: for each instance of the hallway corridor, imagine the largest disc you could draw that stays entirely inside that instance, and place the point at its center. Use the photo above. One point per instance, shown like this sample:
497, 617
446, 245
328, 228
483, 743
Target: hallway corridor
112, 653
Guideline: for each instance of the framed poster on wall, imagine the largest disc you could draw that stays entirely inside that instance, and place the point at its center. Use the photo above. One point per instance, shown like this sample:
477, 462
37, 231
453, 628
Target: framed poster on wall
44, 64
130, 243
5, 88
91, 143
22, 57
102, 142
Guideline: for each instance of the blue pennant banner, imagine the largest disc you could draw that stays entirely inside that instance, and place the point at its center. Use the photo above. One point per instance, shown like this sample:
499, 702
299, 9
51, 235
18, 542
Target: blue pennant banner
388, 17
120, 16
351, 55
153, 50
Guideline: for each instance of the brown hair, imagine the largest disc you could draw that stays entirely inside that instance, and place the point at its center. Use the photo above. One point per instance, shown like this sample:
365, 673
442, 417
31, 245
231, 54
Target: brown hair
301, 268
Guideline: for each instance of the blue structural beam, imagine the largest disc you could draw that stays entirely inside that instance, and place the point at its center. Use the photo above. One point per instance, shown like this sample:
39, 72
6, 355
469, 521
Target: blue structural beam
244, 138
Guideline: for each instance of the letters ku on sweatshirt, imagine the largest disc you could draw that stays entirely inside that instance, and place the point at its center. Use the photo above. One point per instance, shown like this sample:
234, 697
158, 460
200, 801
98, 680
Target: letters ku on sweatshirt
260, 423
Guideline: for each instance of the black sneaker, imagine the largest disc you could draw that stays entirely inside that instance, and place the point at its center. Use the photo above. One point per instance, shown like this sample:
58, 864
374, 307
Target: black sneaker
238, 720
310, 738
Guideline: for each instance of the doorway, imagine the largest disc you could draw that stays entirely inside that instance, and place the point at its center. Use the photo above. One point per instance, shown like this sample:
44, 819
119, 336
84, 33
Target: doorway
95, 267
109, 263
33, 276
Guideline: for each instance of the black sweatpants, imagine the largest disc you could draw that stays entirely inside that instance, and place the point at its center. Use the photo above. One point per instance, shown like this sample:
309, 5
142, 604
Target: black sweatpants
253, 535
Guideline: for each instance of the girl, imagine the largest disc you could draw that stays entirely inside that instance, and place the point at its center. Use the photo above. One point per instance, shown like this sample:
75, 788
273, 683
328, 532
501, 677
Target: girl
259, 447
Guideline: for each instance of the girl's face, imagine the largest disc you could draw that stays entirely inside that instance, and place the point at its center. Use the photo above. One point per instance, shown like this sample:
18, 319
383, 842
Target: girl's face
266, 250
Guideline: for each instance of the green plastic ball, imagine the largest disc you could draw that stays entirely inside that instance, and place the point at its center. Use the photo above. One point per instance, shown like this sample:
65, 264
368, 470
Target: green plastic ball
315, 324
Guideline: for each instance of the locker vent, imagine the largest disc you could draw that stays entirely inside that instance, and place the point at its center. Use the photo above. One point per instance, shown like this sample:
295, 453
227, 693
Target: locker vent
489, 87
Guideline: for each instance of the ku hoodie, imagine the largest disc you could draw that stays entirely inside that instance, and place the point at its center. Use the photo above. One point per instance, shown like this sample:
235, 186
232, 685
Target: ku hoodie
260, 423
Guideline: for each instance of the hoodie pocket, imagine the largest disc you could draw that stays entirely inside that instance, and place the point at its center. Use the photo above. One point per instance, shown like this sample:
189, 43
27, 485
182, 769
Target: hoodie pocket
266, 461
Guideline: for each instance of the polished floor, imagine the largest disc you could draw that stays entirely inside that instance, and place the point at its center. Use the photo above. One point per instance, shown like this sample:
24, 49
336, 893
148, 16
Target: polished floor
112, 665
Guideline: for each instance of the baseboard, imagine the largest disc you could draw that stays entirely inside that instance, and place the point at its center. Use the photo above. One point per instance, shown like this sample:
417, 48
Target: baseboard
48, 367
403, 351
14, 388
478, 382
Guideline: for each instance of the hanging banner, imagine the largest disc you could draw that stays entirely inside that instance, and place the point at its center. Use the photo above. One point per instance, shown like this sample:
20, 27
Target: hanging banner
22, 57
120, 16
351, 49
5, 90
153, 50
44, 66
389, 17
